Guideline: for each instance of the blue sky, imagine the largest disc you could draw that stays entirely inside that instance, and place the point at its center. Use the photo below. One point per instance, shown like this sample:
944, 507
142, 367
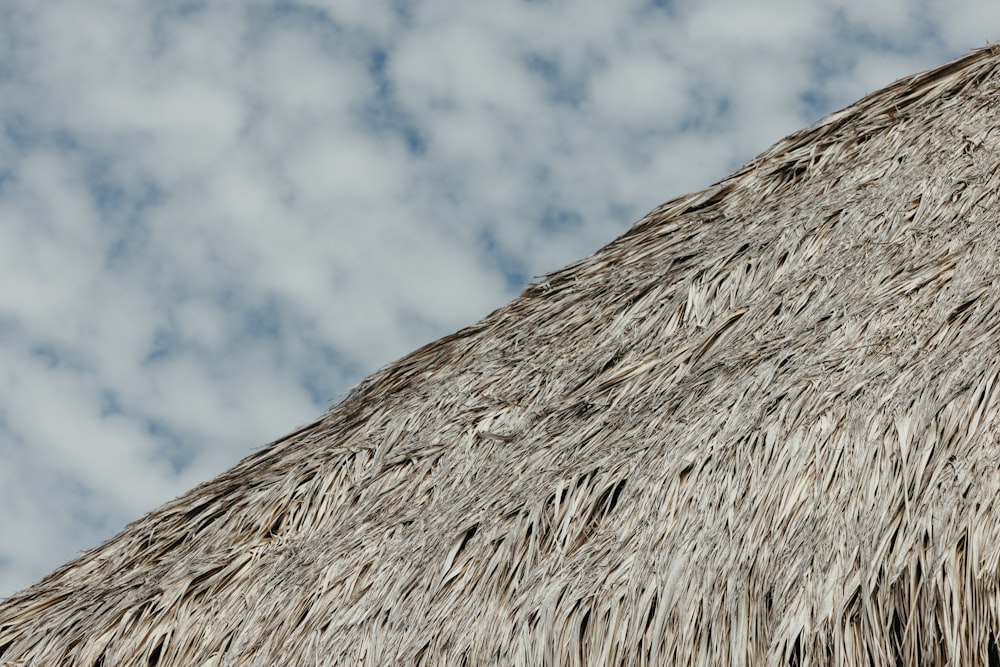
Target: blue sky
216, 217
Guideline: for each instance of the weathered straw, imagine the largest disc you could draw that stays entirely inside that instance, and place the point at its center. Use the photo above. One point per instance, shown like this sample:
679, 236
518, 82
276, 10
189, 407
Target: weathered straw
761, 427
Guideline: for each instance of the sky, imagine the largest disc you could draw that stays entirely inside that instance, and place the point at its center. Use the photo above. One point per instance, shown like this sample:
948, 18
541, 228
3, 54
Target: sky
217, 217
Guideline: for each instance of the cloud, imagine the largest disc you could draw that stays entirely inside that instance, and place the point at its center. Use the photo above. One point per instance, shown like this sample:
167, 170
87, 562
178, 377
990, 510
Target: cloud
216, 217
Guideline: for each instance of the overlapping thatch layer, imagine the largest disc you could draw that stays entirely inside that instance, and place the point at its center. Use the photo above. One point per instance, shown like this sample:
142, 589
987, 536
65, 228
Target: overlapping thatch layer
759, 428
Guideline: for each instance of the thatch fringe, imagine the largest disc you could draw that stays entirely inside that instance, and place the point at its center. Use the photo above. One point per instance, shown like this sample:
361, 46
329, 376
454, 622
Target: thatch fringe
761, 427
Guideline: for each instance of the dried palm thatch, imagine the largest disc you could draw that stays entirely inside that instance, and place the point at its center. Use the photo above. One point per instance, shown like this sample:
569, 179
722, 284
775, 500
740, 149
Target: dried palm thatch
761, 427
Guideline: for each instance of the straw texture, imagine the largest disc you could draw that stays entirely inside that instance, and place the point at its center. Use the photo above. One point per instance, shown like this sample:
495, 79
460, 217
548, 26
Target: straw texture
759, 428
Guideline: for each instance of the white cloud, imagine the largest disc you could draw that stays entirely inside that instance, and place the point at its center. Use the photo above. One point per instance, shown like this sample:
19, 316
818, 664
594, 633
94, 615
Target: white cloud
216, 217
642, 90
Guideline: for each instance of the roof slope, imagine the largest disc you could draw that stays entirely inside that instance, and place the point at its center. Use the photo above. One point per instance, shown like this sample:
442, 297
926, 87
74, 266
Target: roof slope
760, 427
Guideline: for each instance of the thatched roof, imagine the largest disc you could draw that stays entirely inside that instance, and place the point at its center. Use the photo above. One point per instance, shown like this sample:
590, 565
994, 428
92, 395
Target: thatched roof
761, 427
